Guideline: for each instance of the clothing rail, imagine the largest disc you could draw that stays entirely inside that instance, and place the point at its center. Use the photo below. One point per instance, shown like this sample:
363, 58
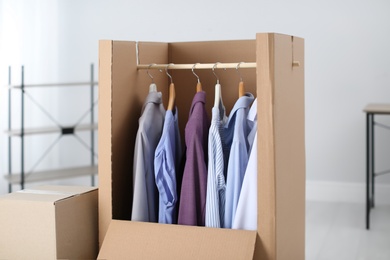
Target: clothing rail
196, 66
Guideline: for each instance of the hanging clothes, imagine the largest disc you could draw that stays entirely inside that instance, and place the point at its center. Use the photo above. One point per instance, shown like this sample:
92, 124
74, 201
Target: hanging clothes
215, 198
246, 213
166, 164
252, 122
238, 129
145, 196
194, 184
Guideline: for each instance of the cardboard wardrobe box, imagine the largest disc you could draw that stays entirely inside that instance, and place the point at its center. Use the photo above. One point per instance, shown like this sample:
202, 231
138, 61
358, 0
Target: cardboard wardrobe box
49, 222
278, 83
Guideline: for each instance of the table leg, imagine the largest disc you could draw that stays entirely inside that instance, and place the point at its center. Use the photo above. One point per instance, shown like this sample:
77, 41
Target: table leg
368, 156
372, 159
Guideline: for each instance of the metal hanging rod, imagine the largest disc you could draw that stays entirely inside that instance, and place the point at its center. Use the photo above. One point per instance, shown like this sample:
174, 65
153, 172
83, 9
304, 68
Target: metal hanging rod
243, 65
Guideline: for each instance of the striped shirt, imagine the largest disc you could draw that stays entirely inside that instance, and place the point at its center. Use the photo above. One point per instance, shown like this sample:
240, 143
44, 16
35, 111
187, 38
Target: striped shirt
215, 197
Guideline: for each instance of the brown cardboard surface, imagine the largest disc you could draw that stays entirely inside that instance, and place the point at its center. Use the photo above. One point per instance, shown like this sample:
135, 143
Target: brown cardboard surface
266, 178
128, 96
289, 148
281, 130
104, 144
69, 190
19, 237
137, 240
279, 88
121, 95
29, 223
77, 227
36, 195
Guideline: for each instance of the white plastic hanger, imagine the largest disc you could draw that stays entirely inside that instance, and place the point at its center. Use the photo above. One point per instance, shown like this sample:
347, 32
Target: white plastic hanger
218, 94
152, 86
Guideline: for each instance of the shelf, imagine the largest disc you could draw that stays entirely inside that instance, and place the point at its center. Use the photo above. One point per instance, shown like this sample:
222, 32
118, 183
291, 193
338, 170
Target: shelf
53, 129
52, 174
73, 84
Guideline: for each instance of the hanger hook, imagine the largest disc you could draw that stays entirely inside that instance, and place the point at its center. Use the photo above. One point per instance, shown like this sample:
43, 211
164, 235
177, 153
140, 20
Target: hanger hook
193, 72
147, 71
238, 70
214, 71
166, 71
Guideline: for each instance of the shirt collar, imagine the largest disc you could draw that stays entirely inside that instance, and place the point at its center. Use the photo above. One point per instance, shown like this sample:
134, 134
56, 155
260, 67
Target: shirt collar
242, 102
252, 114
199, 97
153, 97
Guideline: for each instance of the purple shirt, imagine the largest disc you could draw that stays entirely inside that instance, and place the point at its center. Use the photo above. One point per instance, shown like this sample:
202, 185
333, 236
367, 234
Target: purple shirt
194, 185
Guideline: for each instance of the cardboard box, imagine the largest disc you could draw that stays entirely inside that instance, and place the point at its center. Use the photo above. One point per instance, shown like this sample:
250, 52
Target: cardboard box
132, 240
278, 83
49, 222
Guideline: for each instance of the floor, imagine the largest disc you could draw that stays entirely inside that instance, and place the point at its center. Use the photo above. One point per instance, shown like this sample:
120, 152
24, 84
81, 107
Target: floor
337, 231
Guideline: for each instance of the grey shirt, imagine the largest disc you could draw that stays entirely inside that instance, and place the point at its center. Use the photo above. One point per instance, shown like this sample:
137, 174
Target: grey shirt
145, 196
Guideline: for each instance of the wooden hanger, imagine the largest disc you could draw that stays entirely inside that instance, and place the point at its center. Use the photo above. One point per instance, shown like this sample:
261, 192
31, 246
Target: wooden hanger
241, 87
172, 97
198, 85
172, 92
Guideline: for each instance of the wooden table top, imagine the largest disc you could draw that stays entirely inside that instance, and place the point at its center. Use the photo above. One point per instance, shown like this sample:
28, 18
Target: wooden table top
377, 108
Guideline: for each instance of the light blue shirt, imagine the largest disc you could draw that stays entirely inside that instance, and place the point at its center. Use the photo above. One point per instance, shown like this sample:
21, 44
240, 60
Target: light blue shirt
215, 197
166, 164
238, 130
246, 213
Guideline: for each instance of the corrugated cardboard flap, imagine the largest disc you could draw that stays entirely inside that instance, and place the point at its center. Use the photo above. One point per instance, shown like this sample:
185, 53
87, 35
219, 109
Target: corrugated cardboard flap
49, 193
139, 240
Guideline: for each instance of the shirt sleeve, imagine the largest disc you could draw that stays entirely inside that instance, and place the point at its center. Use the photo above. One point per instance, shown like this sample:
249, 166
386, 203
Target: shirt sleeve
165, 174
238, 160
140, 211
246, 213
212, 197
193, 193
164, 171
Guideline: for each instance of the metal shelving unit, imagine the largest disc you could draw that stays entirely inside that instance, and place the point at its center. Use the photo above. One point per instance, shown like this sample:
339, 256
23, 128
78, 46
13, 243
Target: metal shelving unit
34, 176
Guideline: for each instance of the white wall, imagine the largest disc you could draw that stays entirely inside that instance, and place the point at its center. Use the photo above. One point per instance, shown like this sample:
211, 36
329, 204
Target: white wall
346, 48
